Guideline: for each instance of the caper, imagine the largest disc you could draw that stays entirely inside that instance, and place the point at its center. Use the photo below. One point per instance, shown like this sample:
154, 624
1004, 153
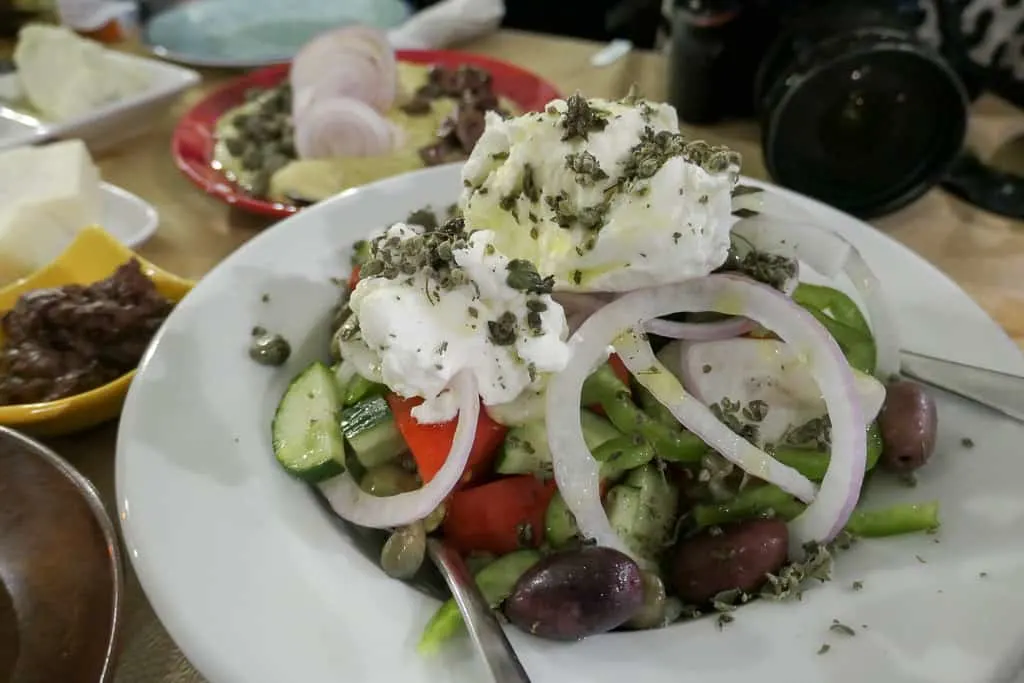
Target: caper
432, 521
274, 162
269, 349
235, 146
403, 552
251, 158
388, 480
652, 614
259, 183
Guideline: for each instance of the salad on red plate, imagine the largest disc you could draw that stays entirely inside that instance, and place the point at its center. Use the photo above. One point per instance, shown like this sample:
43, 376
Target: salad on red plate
347, 111
604, 381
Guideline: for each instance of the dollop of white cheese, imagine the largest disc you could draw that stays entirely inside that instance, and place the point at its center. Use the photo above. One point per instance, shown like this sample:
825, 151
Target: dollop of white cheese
522, 180
418, 334
743, 371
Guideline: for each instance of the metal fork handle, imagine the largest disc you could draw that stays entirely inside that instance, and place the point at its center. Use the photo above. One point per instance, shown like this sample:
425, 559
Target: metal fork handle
999, 391
483, 626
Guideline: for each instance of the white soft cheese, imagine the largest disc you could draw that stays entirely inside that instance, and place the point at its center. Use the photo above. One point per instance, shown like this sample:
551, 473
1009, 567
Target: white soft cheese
47, 194
418, 337
671, 227
744, 370
65, 76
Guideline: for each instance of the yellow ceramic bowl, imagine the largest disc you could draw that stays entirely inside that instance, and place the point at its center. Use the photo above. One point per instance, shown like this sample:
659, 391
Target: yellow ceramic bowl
93, 256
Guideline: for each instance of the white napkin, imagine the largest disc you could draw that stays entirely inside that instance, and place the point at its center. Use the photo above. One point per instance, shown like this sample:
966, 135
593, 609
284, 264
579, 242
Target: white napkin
446, 23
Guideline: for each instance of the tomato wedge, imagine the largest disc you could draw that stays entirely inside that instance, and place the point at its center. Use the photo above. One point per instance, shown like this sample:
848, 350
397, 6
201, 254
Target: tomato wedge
430, 443
500, 516
619, 368
353, 278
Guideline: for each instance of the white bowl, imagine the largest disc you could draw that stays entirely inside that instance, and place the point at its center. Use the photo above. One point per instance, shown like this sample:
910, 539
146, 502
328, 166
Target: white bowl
107, 125
255, 582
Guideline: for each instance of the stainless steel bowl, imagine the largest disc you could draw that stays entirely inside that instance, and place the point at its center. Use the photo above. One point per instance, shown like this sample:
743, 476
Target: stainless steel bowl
61, 570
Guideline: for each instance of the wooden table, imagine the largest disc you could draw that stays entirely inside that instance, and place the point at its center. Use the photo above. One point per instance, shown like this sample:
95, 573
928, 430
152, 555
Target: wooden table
983, 253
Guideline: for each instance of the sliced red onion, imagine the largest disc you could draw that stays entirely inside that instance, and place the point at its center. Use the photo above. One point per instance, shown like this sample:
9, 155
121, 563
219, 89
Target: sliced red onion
343, 127
580, 306
725, 329
575, 470
826, 252
880, 317
638, 357
353, 61
355, 505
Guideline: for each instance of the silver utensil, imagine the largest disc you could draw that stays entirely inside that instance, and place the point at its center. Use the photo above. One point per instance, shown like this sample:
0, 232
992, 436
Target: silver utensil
483, 626
998, 391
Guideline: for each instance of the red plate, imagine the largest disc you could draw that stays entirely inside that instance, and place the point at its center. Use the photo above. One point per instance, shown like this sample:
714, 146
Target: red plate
193, 140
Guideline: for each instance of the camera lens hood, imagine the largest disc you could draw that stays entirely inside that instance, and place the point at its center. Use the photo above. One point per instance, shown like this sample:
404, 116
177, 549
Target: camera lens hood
867, 119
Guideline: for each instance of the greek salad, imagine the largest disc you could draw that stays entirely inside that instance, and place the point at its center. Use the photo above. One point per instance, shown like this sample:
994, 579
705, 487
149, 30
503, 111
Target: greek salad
602, 380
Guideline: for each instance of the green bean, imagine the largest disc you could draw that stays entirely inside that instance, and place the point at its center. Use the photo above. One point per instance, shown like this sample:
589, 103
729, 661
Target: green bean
655, 409
813, 463
904, 518
756, 501
495, 581
605, 389
620, 455
857, 346
833, 302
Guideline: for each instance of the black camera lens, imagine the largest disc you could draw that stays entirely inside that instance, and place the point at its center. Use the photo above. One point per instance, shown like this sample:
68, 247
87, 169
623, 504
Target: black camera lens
866, 120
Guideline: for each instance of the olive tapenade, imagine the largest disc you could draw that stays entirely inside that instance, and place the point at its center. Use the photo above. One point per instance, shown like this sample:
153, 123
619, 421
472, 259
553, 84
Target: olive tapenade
472, 88
62, 341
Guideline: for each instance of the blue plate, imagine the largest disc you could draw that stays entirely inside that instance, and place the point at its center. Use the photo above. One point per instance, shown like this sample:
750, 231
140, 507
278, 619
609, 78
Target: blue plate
253, 33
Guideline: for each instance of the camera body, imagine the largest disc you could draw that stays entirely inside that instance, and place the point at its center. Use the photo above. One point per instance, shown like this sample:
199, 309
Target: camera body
854, 108
722, 51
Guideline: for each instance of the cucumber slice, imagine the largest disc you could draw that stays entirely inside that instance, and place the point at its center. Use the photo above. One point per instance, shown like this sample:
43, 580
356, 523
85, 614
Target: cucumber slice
526, 450
371, 432
642, 510
559, 523
358, 388
307, 440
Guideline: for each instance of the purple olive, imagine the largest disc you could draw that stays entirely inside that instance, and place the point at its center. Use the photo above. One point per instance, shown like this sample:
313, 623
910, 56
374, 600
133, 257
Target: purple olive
577, 593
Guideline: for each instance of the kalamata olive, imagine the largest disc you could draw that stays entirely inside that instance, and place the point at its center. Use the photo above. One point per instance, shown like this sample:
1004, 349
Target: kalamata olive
388, 480
908, 423
403, 552
269, 349
576, 593
738, 556
652, 614
437, 153
417, 106
469, 126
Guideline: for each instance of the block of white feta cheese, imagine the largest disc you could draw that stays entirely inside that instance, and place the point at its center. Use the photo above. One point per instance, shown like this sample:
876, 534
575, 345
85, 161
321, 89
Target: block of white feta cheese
47, 194
65, 76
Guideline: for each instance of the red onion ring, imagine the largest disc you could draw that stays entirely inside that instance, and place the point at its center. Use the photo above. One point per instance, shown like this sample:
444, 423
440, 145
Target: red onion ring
826, 252
355, 505
724, 329
576, 472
